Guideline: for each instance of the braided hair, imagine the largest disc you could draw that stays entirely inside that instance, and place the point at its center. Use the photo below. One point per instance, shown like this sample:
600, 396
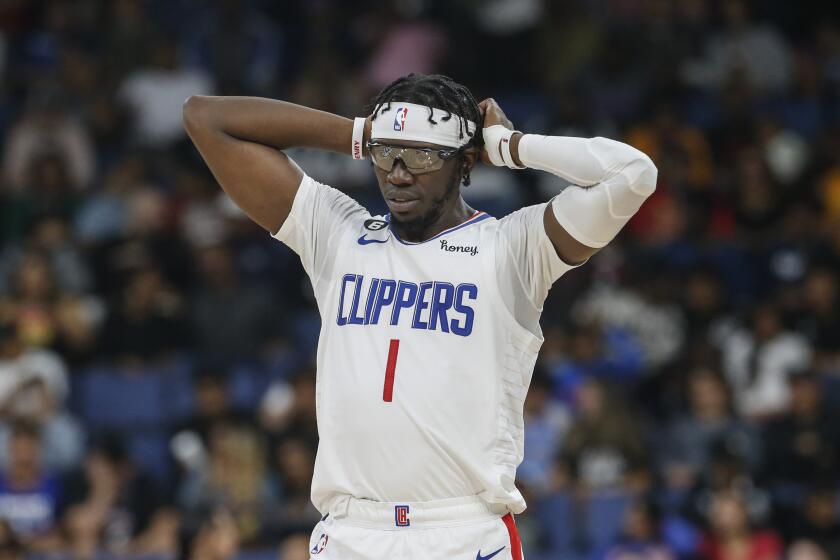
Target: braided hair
435, 91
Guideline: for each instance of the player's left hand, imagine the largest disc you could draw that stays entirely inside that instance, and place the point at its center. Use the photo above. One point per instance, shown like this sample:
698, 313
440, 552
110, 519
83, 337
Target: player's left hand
492, 114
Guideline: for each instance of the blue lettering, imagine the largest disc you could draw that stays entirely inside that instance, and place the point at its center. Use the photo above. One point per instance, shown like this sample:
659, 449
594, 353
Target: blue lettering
406, 296
354, 309
422, 304
387, 290
374, 286
341, 320
439, 306
464, 291
432, 305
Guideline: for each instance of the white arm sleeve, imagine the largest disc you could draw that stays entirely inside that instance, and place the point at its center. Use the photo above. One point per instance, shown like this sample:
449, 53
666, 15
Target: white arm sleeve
319, 213
614, 180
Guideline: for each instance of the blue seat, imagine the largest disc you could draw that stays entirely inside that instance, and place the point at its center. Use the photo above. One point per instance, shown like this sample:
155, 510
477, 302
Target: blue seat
604, 518
247, 384
178, 390
150, 450
556, 516
267, 554
112, 400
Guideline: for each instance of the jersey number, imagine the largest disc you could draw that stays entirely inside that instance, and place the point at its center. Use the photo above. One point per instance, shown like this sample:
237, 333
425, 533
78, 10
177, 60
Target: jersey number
390, 369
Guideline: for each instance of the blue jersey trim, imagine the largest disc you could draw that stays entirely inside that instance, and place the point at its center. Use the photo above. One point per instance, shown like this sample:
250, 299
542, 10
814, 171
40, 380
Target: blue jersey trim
479, 216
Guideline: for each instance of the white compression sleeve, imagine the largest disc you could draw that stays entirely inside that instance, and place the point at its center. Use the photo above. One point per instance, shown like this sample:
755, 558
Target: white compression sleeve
610, 180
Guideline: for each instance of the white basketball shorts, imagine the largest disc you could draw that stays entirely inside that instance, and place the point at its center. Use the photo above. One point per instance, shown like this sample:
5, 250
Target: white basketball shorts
454, 529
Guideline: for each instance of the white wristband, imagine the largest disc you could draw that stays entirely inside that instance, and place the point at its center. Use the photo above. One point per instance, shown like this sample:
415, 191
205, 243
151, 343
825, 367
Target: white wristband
497, 143
504, 147
358, 137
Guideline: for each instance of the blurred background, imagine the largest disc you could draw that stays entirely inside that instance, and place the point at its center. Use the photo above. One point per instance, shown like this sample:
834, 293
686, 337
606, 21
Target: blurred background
156, 348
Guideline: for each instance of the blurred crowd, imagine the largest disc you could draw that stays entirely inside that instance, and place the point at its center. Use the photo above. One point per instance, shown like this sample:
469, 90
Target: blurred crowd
156, 348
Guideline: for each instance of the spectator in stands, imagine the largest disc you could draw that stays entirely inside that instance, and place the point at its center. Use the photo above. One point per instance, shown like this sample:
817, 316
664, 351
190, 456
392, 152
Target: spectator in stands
806, 550
744, 48
594, 351
640, 536
33, 387
249, 69
709, 421
818, 522
156, 93
704, 308
216, 539
803, 446
820, 322
231, 320
603, 450
43, 284
288, 407
235, 478
731, 536
111, 505
213, 406
295, 547
293, 464
759, 362
10, 547
48, 134
546, 424
146, 324
29, 493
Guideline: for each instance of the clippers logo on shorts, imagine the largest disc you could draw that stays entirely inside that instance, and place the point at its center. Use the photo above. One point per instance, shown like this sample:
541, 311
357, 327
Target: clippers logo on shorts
399, 119
321, 544
401, 516
433, 306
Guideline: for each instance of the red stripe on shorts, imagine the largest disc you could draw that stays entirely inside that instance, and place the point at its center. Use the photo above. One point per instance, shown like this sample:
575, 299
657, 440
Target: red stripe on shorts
515, 542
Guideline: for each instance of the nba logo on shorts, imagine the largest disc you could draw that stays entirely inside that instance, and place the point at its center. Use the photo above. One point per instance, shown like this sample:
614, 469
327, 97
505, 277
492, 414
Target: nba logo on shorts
320, 545
401, 516
399, 119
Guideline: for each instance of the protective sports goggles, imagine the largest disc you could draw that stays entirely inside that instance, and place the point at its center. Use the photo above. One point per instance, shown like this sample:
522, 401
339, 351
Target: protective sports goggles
416, 160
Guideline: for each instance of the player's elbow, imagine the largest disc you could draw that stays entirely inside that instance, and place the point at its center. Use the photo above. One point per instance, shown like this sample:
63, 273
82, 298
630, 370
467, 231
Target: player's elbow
196, 112
644, 174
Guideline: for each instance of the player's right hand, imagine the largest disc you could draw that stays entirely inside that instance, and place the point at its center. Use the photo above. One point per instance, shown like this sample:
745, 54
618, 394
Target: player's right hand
493, 115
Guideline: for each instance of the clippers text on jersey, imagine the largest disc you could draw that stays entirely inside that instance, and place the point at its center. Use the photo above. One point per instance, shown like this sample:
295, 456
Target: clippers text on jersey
429, 305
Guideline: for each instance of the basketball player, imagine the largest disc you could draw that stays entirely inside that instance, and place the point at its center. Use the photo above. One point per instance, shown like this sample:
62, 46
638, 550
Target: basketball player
430, 313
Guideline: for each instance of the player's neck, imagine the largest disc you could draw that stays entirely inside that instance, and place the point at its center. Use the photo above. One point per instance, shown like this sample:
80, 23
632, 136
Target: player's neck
454, 215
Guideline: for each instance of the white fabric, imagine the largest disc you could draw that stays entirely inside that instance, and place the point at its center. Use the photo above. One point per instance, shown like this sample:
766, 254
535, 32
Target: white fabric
507, 156
766, 390
454, 427
497, 144
156, 98
337, 538
409, 121
33, 365
358, 137
616, 180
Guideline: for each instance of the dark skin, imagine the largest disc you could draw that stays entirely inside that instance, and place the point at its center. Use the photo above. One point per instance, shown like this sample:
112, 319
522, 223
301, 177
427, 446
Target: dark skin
242, 138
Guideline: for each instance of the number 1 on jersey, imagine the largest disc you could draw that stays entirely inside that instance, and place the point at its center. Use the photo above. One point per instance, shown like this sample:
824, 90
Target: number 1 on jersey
390, 369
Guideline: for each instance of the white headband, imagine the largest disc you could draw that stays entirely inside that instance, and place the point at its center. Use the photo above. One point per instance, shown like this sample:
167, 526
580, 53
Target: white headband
409, 121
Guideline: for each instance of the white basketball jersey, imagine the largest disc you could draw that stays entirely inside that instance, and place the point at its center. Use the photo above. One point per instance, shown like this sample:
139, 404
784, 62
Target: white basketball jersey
426, 349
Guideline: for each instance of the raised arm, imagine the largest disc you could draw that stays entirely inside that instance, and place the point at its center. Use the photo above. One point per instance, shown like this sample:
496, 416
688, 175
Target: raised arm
610, 181
242, 138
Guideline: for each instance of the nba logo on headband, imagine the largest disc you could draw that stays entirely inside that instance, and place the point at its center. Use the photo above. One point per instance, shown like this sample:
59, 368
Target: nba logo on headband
448, 130
399, 119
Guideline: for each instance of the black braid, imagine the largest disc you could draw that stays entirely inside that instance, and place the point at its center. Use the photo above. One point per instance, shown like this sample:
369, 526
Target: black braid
436, 92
